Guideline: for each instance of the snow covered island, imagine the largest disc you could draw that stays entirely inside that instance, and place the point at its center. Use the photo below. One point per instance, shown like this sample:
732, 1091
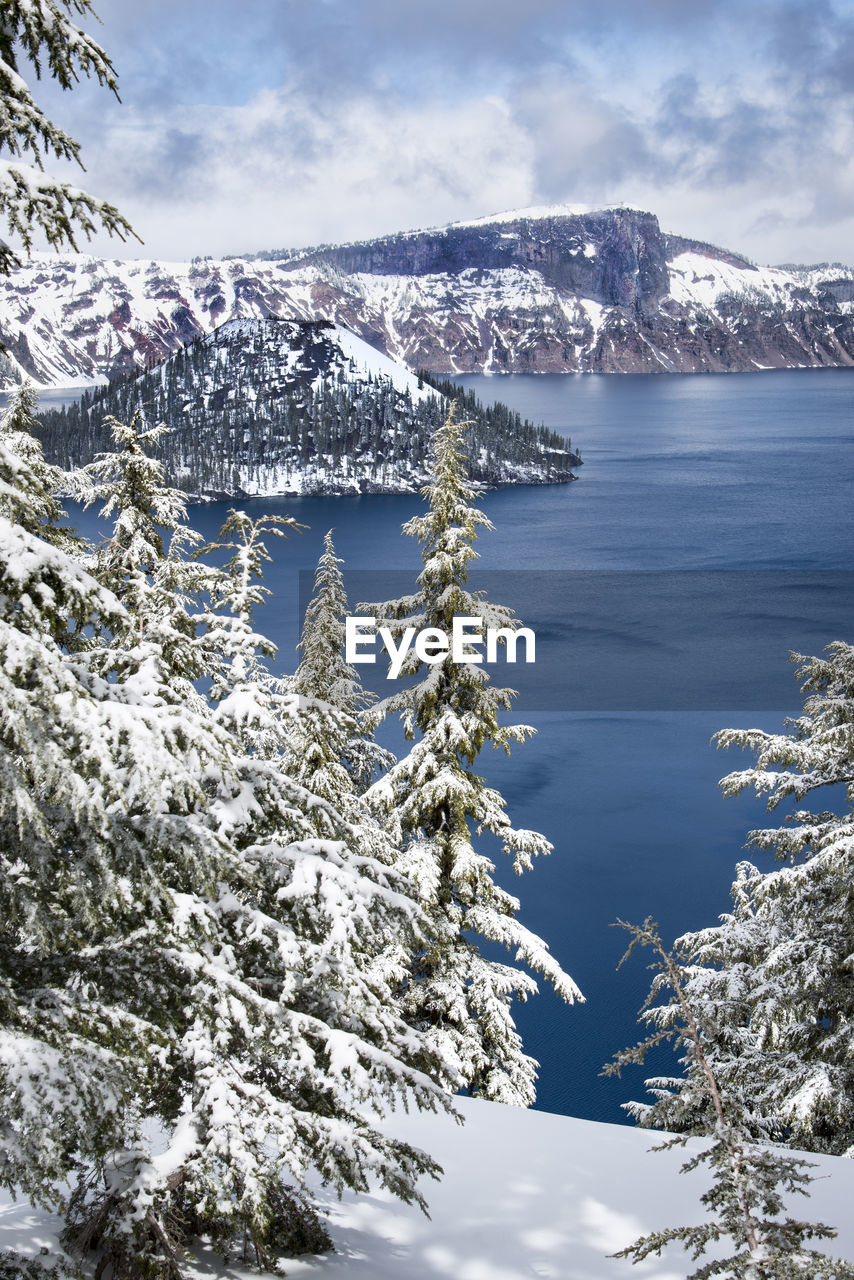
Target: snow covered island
265, 407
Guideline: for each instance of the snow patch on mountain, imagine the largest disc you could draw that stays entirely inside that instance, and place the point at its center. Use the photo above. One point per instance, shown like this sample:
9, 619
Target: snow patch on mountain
536, 211
699, 280
367, 360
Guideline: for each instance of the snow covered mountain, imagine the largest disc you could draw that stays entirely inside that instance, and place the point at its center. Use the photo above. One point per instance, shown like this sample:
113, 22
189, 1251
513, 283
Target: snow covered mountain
541, 290
287, 406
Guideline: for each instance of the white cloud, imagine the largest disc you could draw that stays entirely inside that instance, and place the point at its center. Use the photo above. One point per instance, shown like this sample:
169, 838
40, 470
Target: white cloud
739, 160
279, 172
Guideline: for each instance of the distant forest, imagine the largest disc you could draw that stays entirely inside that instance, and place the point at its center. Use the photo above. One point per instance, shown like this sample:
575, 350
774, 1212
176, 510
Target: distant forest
277, 407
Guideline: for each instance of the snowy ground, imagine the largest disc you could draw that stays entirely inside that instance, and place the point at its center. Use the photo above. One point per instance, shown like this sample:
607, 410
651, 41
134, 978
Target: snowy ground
525, 1196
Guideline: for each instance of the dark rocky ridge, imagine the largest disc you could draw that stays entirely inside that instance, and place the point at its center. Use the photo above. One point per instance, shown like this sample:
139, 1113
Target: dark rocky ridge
628, 270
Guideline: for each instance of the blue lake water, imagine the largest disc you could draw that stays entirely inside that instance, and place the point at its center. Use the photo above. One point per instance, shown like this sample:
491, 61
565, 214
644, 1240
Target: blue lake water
746, 472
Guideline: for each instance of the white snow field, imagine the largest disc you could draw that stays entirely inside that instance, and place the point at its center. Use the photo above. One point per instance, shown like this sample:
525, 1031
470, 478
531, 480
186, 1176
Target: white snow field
526, 1196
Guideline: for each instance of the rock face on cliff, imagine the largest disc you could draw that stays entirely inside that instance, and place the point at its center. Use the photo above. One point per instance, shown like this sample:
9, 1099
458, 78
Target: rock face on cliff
532, 291
612, 257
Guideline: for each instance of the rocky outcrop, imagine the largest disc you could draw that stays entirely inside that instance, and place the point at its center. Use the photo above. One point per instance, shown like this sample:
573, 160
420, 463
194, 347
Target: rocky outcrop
530, 292
614, 257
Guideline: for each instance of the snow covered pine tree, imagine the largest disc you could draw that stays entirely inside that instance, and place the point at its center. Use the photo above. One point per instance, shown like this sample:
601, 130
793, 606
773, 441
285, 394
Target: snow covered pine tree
279, 1045
96, 793
29, 197
43, 515
331, 749
53, 780
456, 994
746, 1198
324, 675
776, 974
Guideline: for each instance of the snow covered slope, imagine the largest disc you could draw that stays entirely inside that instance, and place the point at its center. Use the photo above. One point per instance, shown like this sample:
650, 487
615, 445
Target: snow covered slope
525, 1196
542, 290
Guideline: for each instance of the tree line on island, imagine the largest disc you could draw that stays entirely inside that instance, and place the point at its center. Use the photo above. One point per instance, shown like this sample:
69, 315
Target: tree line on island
274, 406
236, 929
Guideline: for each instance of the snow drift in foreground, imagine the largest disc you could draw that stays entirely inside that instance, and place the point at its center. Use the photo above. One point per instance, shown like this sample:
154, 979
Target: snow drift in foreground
525, 1196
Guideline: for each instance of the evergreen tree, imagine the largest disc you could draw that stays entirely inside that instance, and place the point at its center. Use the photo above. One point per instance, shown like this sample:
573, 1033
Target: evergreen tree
168, 951
330, 748
323, 674
775, 975
97, 793
305, 1002
191, 989
746, 1199
30, 198
42, 515
454, 991
243, 689
144, 561
54, 777
214, 1175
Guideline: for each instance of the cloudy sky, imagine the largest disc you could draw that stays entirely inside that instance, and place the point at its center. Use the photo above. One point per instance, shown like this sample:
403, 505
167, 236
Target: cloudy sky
278, 123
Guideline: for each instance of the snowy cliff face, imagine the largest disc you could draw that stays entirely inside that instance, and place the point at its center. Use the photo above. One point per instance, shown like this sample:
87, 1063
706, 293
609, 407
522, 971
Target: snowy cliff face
537, 291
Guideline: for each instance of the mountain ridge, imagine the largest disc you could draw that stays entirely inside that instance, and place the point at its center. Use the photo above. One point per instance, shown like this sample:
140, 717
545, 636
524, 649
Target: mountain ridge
547, 291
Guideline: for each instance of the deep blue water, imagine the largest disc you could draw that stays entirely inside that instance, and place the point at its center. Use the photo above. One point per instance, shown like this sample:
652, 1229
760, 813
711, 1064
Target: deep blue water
681, 472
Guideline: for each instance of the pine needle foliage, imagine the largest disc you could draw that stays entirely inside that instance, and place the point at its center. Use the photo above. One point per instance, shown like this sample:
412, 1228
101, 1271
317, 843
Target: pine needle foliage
437, 804
236, 651
15, 1267
42, 514
776, 974
145, 559
331, 1053
195, 1017
43, 31
324, 676
59, 1046
749, 1182
102, 853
